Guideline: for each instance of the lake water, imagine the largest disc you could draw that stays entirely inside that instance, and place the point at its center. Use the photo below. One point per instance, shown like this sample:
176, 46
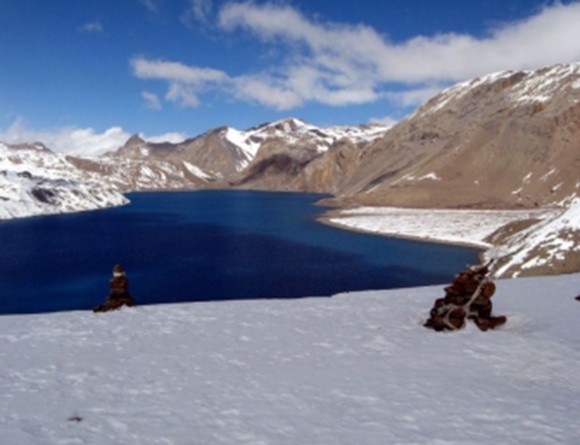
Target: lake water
201, 246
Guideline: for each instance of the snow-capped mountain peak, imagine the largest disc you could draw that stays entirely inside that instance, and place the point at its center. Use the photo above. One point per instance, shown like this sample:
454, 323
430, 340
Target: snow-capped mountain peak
297, 132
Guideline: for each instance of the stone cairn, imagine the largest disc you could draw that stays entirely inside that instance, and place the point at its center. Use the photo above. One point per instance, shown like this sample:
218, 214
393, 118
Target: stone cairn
468, 298
119, 292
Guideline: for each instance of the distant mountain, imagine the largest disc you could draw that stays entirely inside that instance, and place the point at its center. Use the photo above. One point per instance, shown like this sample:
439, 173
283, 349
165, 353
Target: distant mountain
36, 181
270, 156
291, 150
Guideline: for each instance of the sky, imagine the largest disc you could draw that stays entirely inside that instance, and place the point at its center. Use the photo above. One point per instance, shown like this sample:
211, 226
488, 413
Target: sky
82, 76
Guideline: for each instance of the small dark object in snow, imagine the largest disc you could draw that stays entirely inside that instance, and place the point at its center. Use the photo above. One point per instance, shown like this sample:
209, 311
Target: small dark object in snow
75, 419
119, 292
578, 298
468, 297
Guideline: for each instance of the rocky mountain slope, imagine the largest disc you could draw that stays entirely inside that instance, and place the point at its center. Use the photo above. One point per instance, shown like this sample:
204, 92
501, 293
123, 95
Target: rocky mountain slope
36, 181
510, 139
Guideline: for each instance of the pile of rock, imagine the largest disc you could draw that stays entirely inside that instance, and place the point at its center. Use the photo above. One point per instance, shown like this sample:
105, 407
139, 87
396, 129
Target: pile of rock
468, 298
119, 292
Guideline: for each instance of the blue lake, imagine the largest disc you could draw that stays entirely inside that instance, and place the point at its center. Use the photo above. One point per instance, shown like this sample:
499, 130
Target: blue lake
201, 246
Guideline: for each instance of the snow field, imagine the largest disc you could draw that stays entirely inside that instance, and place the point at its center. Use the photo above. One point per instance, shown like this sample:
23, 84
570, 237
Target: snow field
470, 227
357, 368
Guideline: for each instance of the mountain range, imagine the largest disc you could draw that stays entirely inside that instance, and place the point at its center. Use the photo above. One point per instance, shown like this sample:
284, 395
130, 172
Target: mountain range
502, 141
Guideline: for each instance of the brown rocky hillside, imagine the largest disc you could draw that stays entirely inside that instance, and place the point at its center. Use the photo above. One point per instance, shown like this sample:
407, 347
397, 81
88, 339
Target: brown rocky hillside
505, 140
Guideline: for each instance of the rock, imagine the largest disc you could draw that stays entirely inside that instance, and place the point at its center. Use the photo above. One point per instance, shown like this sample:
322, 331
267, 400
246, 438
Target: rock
119, 292
468, 298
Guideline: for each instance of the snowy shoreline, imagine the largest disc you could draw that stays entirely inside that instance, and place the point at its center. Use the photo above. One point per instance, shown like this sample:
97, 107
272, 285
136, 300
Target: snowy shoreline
468, 228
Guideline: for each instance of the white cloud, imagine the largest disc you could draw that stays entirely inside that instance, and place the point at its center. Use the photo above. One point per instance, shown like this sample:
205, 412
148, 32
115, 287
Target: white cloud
266, 91
182, 94
152, 101
77, 141
92, 27
198, 11
545, 38
175, 72
185, 82
341, 64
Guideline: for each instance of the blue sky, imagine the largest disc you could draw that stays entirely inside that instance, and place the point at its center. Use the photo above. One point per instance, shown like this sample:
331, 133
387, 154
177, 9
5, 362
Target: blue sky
84, 75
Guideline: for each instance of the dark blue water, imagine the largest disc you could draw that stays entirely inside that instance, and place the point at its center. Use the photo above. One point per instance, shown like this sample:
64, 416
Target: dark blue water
200, 246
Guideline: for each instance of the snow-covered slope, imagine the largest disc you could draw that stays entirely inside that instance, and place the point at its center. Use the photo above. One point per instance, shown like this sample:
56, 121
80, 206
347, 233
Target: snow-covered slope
353, 369
36, 181
550, 246
127, 174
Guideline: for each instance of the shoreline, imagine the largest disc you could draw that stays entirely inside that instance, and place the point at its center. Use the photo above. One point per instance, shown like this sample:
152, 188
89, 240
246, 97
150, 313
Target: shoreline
454, 227
327, 220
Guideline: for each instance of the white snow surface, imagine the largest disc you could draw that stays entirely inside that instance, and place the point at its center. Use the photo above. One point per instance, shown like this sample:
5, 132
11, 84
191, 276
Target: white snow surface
469, 227
195, 170
357, 368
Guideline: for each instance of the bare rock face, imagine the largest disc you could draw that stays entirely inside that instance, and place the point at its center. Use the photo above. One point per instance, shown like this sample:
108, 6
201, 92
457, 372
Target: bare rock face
330, 172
